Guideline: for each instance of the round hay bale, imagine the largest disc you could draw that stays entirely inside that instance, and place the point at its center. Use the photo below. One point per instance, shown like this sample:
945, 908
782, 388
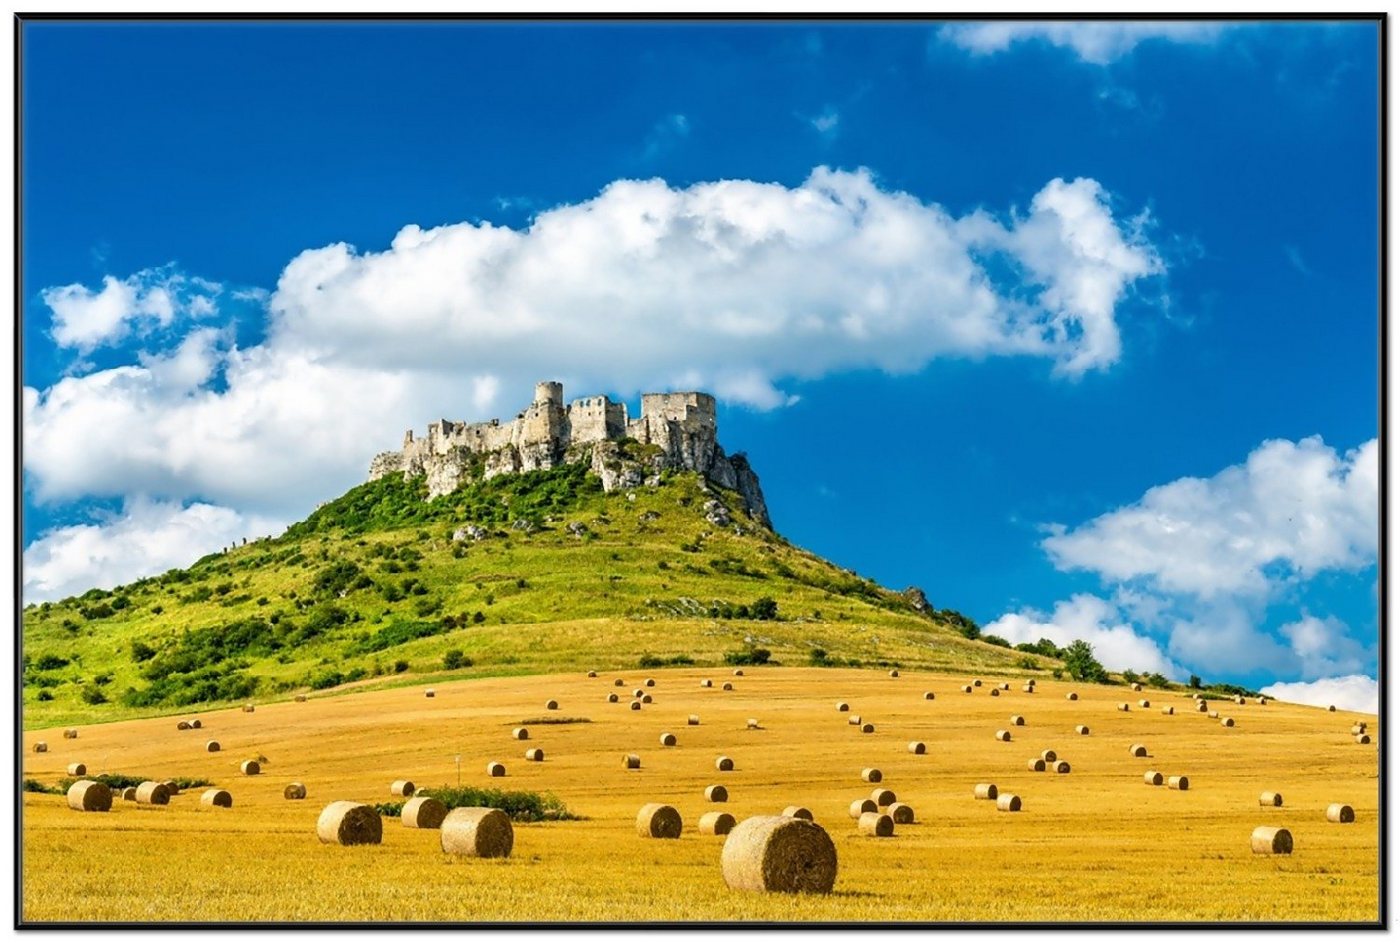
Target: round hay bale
658, 820
1227, 721
668, 739
534, 755
1049, 756
593, 674
423, 812
984, 791
1239, 698
876, 825
883, 797
88, 796
871, 775
1136, 686
183, 725
196, 723
300, 698
521, 733
753, 724
779, 854
1005, 685
870, 728
172, 787
1082, 730
70, 734
798, 812
1340, 813
716, 823
977, 683
1268, 840
216, 799
152, 793
618, 682
917, 747
1004, 736
637, 693
738, 672
402, 787
716, 793
1071, 696
1332, 708
1202, 707
727, 687
129, 793
248, 708
1124, 707
646, 698
1008, 803
1035, 765
1169, 711
1262, 701
294, 791
1358, 728
77, 769
1137, 749
430, 693
693, 720
635, 705
854, 720
994, 692
724, 764
1061, 766
1212, 714
212, 746
1018, 720
1178, 782
495, 770
551, 705
1144, 703
967, 689
250, 767
842, 706
349, 823
612, 698
1152, 778
41, 747
477, 833
1028, 688
650, 682
861, 806
901, 813
894, 673
631, 761
1363, 738
1271, 799
707, 683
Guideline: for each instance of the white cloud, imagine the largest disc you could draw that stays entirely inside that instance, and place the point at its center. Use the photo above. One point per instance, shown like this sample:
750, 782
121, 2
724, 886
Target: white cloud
1295, 507
732, 286
146, 537
827, 122
1116, 644
1323, 647
1350, 693
1095, 42
86, 319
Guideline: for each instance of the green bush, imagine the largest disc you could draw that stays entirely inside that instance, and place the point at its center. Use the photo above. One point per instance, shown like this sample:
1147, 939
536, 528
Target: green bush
1081, 664
751, 656
654, 661
453, 658
519, 805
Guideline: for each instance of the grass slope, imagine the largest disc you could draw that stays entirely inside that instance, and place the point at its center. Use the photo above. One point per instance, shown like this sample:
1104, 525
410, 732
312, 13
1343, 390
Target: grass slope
373, 590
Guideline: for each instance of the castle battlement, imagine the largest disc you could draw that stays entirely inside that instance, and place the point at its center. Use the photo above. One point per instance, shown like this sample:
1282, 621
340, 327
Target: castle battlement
681, 425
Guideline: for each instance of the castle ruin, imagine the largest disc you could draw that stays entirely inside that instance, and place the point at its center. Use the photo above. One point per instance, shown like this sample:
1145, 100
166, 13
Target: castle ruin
680, 428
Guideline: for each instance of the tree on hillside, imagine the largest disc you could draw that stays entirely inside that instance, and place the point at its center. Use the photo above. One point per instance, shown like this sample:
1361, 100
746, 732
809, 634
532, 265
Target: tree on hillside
1081, 663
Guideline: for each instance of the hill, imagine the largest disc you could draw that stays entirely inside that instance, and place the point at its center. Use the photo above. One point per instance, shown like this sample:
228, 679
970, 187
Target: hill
524, 573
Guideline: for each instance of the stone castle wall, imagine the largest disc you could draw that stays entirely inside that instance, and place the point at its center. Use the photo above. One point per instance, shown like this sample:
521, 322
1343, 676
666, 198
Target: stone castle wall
681, 426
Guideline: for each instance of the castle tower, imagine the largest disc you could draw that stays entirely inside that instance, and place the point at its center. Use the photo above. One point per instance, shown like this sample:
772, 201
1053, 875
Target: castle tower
549, 393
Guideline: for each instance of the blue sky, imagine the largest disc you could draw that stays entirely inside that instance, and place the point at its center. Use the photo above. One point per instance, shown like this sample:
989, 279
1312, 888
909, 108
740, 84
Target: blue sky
968, 294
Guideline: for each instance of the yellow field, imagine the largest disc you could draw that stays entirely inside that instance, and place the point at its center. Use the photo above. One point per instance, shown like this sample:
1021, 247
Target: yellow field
1096, 844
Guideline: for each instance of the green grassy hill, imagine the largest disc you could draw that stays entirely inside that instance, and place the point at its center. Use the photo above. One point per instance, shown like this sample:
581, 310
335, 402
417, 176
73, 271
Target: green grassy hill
382, 587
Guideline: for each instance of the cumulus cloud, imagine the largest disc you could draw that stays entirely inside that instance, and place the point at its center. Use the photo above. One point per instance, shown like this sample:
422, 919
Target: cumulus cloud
1095, 620
1350, 693
1194, 566
85, 319
1095, 42
145, 537
734, 286
1292, 510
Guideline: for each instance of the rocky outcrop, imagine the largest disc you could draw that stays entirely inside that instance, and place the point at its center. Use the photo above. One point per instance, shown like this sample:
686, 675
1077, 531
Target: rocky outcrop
675, 431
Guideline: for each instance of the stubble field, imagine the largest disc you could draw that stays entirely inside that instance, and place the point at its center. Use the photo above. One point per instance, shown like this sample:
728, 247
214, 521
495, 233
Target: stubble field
1094, 844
